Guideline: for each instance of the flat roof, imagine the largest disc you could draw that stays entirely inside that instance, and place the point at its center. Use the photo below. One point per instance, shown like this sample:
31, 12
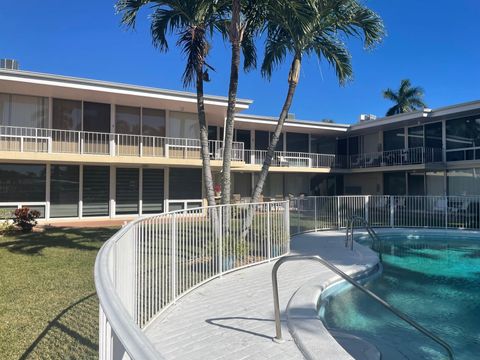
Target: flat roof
112, 86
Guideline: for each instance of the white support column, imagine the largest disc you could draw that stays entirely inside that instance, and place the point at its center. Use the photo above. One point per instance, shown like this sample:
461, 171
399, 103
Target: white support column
47, 191
166, 190
80, 193
140, 191
367, 200
112, 129
113, 190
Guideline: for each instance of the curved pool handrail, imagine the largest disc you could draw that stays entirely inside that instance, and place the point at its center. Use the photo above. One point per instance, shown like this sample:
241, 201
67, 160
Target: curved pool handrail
333, 268
351, 226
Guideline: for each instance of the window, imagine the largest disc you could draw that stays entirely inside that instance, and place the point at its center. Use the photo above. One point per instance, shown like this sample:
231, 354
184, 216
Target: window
243, 136
185, 184
242, 184
127, 191
297, 142
435, 183
297, 184
394, 183
127, 120
96, 117
153, 191
64, 191
415, 137
262, 140
353, 145
23, 111
463, 182
153, 122
463, 134
416, 183
67, 114
22, 183
433, 135
323, 144
273, 185
212, 133
96, 190
394, 139
183, 125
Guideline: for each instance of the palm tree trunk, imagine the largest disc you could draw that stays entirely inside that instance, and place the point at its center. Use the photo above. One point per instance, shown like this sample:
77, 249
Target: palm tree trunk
205, 151
292, 85
235, 39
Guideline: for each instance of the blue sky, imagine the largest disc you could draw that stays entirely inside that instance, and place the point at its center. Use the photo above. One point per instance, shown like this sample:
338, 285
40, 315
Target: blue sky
435, 43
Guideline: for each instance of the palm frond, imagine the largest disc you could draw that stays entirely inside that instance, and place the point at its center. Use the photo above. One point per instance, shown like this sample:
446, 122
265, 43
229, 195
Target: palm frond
337, 55
129, 10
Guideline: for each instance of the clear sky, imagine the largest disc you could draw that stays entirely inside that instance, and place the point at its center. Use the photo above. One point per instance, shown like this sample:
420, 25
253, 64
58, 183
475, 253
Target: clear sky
435, 43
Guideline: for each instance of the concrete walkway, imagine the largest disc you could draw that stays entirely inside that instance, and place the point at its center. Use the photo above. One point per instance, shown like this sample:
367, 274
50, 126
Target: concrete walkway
232, 317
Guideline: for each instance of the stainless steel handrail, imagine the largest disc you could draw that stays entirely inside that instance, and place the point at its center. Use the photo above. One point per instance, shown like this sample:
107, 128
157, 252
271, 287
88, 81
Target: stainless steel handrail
351, 225
398, 313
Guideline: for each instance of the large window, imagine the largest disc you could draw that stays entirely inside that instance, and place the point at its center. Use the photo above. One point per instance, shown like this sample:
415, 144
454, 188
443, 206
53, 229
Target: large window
183, 125
242, 184
463, 182
96, 117
127, 191
243, 136
64, 191
127, 120
394, 183
153, 122
433, 135
323, 144
394, 139
153, 191
22, 183
415, 137
274, 185
185, 184
353, 145
435, 183
23, 111
416, 183
262, 140
96, 190
463, 134
297, 142
297, 184
67, 114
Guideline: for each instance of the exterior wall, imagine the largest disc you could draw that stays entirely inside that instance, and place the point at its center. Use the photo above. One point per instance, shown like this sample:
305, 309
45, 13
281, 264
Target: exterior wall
363, 184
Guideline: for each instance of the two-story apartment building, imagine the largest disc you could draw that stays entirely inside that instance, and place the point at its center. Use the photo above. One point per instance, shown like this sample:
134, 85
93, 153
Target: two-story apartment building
78, 148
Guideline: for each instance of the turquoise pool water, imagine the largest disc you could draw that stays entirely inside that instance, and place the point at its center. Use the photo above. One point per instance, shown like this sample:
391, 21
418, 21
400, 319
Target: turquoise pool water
432, 277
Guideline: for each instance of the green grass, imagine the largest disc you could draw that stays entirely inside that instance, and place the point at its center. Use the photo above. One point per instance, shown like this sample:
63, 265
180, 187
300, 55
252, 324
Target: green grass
48, 306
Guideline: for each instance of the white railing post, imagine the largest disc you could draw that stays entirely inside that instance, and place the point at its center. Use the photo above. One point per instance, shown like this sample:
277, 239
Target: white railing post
220, 238
367, 200
338, 212
392, 211
446, 212
268, 233
21, 143
287, 223
141, 146
174, 258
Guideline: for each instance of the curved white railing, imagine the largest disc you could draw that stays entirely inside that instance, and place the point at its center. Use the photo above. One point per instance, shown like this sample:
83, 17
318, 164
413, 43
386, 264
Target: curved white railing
153, 261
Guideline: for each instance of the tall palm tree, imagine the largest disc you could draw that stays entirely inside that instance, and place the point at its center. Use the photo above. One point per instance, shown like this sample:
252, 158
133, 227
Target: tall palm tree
294, 31
247, 19
406, 98
193, 21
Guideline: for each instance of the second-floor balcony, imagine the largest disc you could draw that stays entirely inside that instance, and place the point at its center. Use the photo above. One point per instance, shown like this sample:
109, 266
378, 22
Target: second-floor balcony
412, 156
39, 140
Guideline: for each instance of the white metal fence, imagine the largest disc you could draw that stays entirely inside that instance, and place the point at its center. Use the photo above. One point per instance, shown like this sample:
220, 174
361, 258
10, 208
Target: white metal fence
332, 212
153, 261
25, 139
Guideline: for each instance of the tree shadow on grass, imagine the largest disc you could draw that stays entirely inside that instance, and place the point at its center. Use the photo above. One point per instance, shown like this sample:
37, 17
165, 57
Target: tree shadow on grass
89, 239
72, 334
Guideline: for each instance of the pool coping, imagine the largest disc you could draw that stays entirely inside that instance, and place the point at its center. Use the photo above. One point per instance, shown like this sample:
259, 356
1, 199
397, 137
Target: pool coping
307, 329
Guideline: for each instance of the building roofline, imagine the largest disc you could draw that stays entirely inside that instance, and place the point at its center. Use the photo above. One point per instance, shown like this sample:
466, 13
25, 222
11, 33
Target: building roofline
305, 123
108, 85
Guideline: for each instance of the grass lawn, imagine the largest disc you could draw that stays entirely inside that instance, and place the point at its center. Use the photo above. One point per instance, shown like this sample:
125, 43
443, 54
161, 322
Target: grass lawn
48, 306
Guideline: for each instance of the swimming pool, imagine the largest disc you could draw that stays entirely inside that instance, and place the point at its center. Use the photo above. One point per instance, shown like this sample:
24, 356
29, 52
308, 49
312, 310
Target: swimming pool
432, 276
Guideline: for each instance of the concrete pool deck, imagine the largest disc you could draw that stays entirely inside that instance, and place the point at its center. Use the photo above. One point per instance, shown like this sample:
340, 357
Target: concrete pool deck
232, 317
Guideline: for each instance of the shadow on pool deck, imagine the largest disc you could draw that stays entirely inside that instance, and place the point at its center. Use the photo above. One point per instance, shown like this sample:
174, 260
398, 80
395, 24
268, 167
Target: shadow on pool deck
68, 334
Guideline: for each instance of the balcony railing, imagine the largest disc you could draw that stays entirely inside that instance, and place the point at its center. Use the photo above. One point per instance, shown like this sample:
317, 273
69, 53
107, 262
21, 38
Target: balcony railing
411, 156
23, 139
292, 159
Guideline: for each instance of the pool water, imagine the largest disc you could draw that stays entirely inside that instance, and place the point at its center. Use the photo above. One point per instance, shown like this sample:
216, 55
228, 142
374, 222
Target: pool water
432, 277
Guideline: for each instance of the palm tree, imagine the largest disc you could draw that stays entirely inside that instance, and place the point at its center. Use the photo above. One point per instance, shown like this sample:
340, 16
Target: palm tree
295, 30
193, 21
247, 18
406, 99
